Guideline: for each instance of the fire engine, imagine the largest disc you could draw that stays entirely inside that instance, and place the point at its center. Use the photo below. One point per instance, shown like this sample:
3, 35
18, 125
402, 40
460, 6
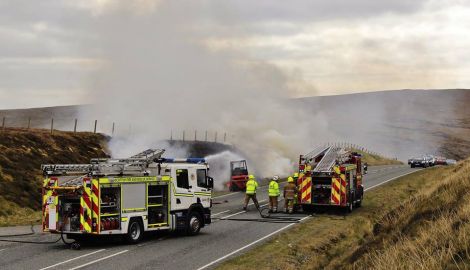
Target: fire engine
330, 176
145, 192
238, 175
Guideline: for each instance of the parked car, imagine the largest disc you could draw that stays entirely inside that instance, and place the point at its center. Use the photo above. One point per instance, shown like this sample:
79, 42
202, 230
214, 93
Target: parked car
420, 162
451, 161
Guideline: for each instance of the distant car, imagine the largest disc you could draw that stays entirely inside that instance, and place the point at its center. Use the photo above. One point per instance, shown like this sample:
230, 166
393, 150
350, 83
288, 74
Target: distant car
420, 162
441, 161
432, 161
451, 161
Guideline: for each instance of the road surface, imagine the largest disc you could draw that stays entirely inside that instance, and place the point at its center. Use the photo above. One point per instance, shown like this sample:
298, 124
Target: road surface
217, 242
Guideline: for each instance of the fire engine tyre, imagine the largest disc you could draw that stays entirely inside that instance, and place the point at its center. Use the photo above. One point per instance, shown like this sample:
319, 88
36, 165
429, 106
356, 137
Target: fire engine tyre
359, 203
194, 223
135, 232
350, 207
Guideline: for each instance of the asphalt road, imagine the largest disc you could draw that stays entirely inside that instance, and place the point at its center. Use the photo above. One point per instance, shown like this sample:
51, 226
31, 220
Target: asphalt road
217, 242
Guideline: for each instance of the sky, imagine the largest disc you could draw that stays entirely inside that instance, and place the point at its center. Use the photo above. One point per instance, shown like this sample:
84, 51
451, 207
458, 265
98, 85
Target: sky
52, 51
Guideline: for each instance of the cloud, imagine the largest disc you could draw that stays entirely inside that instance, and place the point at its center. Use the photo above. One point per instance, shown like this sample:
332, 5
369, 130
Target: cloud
336, 46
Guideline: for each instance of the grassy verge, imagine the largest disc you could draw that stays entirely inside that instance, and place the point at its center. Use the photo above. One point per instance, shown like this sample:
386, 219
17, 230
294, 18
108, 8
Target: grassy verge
418, 221
11, 214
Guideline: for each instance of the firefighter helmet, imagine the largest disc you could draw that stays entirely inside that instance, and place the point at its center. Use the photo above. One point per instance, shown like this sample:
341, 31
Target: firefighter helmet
276, 178
296, 175
251, 177
290, 179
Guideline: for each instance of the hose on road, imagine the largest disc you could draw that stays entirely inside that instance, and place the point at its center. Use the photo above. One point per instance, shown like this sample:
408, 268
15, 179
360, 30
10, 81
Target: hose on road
265, 218
26, 241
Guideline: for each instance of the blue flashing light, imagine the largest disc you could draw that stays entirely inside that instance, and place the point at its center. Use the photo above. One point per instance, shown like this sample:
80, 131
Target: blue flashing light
196, 160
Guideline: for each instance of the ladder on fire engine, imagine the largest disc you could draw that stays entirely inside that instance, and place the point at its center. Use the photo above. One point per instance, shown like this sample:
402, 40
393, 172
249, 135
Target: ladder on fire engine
332, 156
104, 166
315, 153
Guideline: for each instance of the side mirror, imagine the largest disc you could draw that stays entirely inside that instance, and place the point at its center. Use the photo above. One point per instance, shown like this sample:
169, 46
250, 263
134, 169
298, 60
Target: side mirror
210, 182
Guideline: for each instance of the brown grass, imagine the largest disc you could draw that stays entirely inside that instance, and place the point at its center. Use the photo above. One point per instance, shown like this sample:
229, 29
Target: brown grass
420, 221
428, 231
21, 154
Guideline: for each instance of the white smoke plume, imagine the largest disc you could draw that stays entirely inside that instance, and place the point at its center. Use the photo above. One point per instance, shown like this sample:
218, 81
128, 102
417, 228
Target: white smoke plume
159, 76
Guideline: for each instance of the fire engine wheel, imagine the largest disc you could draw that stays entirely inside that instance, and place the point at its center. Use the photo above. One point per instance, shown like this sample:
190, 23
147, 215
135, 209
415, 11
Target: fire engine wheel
194, 223
135, 232
359, 203
349, 208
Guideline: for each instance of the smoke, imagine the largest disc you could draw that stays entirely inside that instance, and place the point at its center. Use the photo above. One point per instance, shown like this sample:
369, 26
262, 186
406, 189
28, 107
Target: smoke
158, 76
220, 167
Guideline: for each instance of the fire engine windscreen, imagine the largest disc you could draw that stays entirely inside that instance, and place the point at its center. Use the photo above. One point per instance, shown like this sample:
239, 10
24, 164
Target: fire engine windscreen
160, 76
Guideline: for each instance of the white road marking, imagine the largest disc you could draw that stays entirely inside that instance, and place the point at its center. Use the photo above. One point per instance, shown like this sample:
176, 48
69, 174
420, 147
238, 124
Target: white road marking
391, 179
249, 245
238, 213
98, 260
213, 215
226, 195
73, 259
3, 249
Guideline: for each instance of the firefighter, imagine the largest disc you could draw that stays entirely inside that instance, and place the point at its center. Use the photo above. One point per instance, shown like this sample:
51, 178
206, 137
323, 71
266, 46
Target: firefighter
273, 194
251, 186
290, 190
296, 177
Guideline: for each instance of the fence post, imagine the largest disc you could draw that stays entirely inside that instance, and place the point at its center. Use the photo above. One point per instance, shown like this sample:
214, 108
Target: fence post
171, 135
3, 124
206, 135
225, 137
29, 122
112, 131
195, 135
75, 126
52, 126
215, 139
96, 123
183, 135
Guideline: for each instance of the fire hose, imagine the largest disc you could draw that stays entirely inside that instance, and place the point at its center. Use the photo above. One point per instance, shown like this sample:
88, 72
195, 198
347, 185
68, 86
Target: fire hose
265, 218
73, 245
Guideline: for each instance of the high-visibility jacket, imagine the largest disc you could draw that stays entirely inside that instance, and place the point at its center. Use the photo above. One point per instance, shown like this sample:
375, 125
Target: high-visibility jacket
290, 190
274, 189
251, 186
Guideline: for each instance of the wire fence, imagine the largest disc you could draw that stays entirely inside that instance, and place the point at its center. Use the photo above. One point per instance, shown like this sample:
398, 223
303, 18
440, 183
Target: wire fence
75, 125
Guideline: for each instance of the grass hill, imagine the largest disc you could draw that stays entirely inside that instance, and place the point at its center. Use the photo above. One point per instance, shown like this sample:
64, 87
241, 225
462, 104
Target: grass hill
21, 155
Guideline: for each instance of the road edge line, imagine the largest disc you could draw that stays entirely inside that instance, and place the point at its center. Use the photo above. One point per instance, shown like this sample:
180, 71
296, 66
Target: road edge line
249, 245
394, 178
